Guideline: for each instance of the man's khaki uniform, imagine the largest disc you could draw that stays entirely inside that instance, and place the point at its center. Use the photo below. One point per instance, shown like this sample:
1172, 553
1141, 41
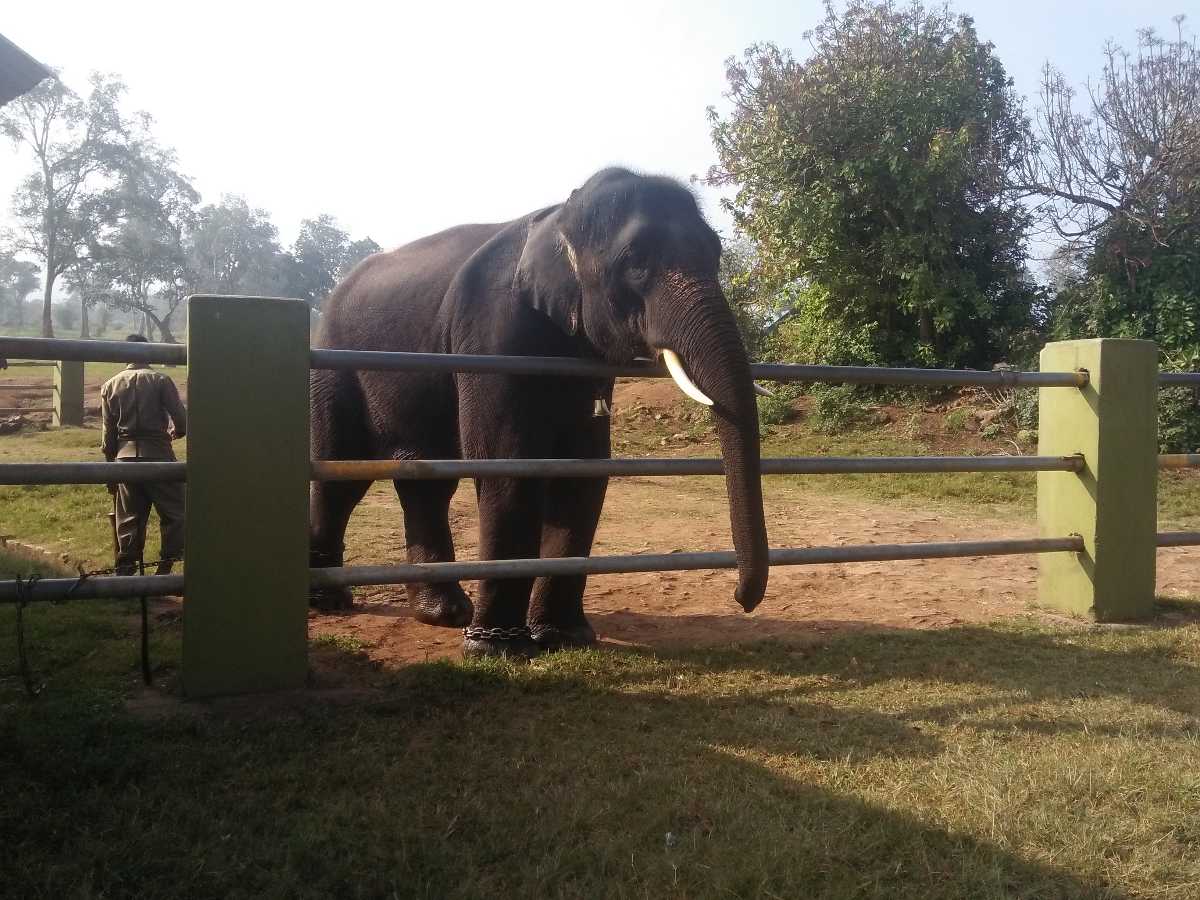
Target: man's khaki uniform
140, 411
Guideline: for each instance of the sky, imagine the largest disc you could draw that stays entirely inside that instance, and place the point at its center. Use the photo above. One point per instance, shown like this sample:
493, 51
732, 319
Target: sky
405, 118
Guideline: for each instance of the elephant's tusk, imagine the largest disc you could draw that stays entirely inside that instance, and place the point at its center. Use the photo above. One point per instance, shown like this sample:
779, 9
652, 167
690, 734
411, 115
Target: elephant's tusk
675, 367
762, 391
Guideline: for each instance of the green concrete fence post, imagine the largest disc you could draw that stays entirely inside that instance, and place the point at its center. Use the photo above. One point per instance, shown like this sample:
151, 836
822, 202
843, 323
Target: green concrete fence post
68, 393
246, 567
1112, 502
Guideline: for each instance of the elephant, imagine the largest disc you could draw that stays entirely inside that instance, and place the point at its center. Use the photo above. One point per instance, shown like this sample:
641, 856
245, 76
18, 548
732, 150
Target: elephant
625, 269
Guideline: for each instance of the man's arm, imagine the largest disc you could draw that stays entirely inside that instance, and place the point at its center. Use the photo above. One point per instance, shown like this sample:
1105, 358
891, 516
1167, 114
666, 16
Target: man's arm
108, 425
174, 407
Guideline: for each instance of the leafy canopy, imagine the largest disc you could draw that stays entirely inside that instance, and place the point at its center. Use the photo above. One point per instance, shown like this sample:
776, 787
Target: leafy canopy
873, 179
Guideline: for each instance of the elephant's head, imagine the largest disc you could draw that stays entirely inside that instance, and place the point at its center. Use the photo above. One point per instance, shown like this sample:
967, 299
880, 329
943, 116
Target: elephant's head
629, 265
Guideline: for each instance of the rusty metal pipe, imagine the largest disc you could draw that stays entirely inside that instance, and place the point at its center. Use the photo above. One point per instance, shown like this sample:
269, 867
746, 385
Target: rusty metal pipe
1179, 461
670, 562
418, 469
424, 469
1178, 539
136, 586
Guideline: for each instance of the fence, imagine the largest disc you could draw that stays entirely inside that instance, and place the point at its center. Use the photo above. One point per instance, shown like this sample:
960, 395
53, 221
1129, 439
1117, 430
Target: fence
65, 403
247, 578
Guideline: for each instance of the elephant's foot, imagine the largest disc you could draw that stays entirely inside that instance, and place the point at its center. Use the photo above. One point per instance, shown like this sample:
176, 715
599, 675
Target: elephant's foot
331, 599
443, 605
563, 637
513, 643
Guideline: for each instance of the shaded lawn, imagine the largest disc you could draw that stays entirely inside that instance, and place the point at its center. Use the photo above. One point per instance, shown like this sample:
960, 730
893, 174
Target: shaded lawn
1010, 761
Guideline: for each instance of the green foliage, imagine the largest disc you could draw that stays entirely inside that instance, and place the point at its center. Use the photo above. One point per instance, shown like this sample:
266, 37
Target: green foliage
777, 409
874, 174
234, 249
137, 259
346, 643
814, 332
1178, 421
18, 279
1134, 287
837, 407
322, 254
77, 144
957, 419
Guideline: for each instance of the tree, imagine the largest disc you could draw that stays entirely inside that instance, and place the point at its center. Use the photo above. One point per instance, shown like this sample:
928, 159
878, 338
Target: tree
322, 255
356, 253
316, 258
18, 279
1130, 165
873, 179
1121, 184
75, 142
137, 260
234, 249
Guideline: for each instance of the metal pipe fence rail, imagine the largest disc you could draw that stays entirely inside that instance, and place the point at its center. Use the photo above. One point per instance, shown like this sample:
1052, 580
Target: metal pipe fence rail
364, 360
1179, 461
21, 410
1081, 468
1178, 539
426, 469
48, 589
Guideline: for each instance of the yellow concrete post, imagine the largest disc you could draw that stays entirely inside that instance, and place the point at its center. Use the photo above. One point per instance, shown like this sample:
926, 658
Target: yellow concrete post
1111, 503
245, 617
68, 393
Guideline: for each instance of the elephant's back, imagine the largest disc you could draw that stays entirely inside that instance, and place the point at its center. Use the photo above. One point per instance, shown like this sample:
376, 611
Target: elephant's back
392, 300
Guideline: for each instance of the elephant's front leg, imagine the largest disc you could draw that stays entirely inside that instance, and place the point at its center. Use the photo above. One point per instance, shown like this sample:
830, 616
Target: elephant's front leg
510, 527
573, 506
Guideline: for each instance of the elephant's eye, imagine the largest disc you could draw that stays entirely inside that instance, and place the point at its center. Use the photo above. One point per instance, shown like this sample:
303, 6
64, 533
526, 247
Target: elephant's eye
637, 264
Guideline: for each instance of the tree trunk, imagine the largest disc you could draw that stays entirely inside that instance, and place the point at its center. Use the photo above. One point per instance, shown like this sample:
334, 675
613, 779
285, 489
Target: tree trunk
163, 328
926, 327
47, 294
83, 318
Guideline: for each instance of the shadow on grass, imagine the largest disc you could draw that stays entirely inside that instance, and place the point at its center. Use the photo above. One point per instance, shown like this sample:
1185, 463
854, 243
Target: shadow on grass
688, 773
1147, 664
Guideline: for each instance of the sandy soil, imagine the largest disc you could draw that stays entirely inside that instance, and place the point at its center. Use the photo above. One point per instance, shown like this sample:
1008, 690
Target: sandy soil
659, 515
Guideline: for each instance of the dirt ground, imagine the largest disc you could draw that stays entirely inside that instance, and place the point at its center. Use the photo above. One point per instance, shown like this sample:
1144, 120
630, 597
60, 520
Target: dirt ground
660, 515
40, 394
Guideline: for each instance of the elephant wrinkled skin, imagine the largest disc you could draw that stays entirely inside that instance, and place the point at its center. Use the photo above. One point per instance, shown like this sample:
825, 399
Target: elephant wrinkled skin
625, 268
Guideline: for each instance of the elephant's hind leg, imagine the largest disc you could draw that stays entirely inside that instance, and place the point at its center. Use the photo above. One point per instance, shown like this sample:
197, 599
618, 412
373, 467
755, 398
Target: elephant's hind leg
337, 432
330, 504
427, 532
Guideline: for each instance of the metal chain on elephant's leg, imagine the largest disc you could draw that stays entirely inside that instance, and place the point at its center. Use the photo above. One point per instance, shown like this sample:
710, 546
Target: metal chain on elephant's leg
512, 633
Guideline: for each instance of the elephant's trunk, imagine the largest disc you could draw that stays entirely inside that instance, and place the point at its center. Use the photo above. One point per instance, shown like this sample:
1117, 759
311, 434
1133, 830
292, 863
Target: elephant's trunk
693, 319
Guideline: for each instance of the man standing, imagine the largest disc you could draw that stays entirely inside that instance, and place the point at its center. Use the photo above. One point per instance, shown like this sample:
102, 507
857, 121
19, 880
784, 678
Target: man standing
141, 414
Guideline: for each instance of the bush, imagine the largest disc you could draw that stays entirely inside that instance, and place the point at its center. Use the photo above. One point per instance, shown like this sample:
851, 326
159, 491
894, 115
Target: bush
777, 409
836, 407
1025, 408
1178, 421
957, 419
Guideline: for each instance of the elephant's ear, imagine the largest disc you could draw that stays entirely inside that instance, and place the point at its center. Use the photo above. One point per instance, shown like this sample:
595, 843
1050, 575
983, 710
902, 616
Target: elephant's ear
546, 276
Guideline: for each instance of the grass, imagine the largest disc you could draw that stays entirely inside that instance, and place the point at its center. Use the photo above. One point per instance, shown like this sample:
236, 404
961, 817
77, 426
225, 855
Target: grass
1012, 761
